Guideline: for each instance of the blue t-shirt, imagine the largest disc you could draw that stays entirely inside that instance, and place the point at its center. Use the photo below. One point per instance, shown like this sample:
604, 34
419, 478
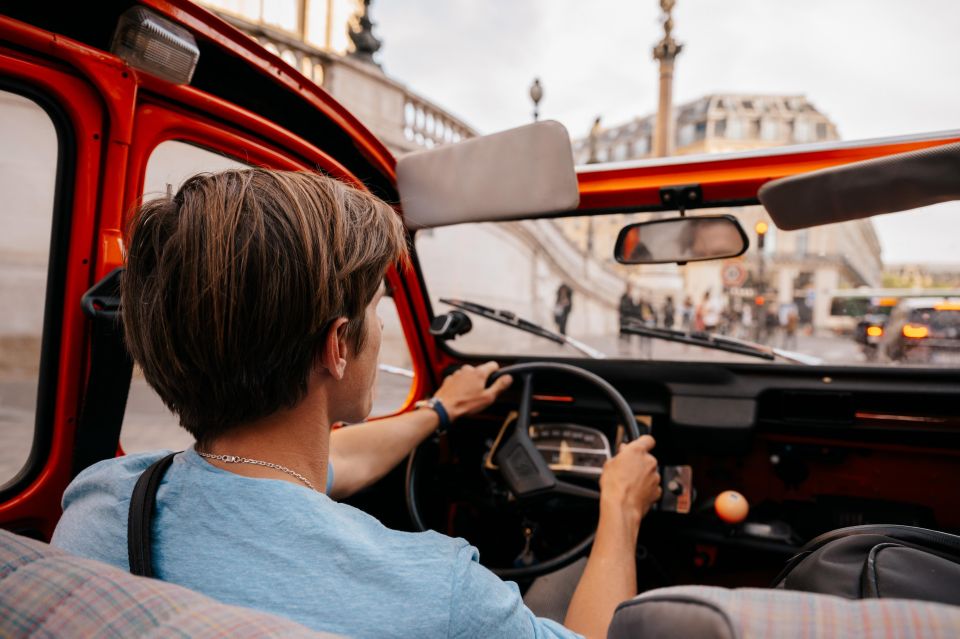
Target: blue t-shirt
285, 549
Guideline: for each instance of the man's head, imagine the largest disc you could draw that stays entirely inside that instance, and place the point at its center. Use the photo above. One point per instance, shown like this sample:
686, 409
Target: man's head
246, 283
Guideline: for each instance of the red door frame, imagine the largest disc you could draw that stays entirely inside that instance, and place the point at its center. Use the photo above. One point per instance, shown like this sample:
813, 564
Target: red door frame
100, 95
38, 497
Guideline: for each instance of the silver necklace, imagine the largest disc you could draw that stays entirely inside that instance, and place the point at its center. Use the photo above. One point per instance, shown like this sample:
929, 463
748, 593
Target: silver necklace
233, 459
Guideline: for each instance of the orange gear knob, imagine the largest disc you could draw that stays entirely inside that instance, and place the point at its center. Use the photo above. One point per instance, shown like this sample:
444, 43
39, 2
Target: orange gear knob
731, 507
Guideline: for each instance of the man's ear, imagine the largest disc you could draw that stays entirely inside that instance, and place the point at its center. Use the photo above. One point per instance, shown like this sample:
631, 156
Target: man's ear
333, 355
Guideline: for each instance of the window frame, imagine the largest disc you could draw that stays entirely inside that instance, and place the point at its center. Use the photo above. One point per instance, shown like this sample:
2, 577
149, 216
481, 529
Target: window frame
51, 334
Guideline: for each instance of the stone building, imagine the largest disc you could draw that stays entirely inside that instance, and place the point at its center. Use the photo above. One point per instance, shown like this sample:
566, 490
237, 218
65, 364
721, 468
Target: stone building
716, 124
800, 267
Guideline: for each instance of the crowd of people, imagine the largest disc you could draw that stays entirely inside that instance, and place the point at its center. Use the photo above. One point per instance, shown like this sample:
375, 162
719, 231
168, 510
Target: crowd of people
777, 324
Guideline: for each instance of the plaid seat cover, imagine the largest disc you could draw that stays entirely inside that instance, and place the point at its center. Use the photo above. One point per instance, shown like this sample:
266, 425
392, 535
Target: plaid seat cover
45, 592
750, 613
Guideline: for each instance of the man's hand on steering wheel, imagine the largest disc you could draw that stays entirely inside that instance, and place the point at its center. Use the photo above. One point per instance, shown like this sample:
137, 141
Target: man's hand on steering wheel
465, 391
630, 482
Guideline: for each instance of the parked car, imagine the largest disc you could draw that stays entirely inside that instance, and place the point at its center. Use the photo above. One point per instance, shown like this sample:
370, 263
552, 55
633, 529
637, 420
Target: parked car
870, 328
923, 330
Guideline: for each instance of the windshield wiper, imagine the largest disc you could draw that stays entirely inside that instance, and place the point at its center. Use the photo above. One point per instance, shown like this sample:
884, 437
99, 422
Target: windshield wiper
510, 318
718, 342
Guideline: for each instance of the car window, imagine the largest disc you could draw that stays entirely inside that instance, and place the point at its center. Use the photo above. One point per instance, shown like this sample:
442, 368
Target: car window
28, 171
395, 376
806, 293
147, 423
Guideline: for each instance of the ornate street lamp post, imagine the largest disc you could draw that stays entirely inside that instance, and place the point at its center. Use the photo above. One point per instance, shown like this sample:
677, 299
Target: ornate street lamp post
536, 94
760, 300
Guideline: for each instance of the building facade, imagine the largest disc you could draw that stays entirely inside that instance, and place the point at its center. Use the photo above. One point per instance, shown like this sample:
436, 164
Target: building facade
801, 268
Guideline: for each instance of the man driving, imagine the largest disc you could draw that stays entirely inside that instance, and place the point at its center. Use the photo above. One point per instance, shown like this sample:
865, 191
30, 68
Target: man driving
249, 301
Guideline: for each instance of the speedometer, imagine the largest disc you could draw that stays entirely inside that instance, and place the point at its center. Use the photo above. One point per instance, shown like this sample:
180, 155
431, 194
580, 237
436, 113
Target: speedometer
571, 448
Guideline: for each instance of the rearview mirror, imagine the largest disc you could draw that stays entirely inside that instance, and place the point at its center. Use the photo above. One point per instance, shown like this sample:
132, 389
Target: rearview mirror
681, 239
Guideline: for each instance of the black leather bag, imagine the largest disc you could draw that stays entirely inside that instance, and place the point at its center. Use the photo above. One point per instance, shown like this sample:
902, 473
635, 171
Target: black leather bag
878, 561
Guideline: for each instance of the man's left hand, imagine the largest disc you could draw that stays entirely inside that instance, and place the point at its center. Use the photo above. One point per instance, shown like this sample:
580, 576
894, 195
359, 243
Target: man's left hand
465, 392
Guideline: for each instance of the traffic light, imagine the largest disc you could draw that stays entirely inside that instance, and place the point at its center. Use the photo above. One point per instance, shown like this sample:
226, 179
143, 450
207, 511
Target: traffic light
761, 229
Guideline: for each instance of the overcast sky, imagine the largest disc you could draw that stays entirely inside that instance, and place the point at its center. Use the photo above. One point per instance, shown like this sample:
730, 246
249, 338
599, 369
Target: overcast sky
875, 67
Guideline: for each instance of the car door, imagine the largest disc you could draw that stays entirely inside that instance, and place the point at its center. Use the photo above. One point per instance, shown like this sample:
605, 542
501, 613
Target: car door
94, 138
59, 142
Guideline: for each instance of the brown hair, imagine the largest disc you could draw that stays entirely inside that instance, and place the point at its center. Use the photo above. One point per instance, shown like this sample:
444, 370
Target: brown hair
231, 284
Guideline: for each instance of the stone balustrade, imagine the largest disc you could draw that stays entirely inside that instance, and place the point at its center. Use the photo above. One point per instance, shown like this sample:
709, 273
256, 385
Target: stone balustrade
404, 120
427, 125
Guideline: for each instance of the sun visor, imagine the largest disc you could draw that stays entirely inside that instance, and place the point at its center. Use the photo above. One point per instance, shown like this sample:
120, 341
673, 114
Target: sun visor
520, 173
863, 189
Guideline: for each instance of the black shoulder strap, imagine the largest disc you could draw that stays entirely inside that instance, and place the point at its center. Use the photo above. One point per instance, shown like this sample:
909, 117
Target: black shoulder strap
139, 523
108, 383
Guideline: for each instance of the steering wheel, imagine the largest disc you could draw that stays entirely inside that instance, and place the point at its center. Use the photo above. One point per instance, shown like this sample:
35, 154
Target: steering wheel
523, 468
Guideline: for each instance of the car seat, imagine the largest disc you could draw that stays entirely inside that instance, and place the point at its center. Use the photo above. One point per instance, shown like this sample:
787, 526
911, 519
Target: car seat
46, 592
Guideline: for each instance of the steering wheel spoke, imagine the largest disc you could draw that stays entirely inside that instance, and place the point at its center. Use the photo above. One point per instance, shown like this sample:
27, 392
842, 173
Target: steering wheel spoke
576, 490
521, 464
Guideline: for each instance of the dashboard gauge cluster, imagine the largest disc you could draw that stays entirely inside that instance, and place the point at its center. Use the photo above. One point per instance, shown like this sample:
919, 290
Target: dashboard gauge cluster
571, 448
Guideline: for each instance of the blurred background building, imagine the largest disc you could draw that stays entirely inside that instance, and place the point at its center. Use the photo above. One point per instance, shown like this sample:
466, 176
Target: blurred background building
800, 267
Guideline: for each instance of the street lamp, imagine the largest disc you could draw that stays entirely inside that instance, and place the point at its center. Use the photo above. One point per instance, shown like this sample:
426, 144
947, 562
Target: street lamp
761, 228
536, 94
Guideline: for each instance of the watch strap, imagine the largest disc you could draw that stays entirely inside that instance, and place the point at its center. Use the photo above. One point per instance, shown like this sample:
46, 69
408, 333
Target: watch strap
439, 409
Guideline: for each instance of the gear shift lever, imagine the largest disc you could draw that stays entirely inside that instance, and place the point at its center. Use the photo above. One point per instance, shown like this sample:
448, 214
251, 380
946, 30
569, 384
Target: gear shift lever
731, 507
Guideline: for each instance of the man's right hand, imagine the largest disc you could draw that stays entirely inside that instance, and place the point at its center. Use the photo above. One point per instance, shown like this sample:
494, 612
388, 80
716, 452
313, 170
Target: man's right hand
629, 486
630, 482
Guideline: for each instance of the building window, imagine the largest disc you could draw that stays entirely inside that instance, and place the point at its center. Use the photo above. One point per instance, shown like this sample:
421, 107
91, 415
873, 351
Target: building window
735, 128
720, 128
281, 13
801, 242
769, 129
700, 130
821, 130
803, 131
685, 135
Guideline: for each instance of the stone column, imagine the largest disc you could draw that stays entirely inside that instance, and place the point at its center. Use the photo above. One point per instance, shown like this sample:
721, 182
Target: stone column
665, 52
826, 280
785, 277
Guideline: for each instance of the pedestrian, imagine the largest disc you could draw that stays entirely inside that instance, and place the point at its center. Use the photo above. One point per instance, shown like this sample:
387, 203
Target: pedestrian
562, 307
771, 322
790, 327
668, 311
648, 315
628, 312
686, 313
746, 321
709, 314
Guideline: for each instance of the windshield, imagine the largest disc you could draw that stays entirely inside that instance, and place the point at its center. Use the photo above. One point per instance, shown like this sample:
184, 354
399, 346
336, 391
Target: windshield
804, 293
